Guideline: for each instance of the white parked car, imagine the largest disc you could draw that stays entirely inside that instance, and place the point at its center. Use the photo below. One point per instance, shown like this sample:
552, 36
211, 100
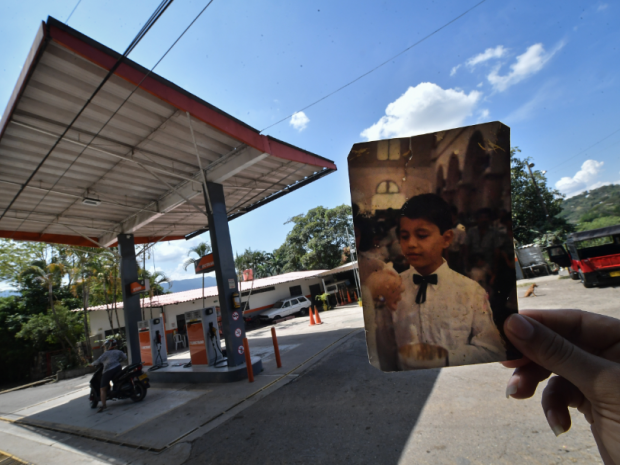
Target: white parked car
286, 307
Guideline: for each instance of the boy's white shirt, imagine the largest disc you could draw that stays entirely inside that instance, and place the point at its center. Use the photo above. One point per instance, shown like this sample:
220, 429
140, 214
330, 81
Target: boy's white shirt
456, 316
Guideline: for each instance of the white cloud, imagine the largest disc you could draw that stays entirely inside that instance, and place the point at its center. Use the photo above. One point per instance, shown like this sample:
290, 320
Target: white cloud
583, 179
169, 257
453, 71
422, 109
484, 114
602, 7
299, 121
526, 65
488, 54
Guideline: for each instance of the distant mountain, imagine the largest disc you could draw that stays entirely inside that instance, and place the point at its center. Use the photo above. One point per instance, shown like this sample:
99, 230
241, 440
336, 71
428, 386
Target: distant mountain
597, 203
190, 284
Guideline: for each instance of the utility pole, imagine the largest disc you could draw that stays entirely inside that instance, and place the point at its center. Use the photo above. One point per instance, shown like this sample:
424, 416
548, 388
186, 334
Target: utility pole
542, 201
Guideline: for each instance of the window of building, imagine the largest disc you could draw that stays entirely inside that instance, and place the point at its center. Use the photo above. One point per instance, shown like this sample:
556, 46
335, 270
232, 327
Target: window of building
388, 150
295, 290
387, 187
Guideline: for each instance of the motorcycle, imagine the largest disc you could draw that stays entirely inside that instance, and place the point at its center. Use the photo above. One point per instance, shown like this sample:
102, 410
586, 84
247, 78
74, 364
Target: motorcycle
129, 383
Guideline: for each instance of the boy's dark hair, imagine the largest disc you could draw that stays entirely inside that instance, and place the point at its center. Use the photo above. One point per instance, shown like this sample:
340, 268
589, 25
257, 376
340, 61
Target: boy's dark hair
429, 207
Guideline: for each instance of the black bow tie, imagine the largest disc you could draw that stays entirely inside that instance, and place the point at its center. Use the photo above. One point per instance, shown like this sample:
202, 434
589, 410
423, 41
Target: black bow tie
423, 281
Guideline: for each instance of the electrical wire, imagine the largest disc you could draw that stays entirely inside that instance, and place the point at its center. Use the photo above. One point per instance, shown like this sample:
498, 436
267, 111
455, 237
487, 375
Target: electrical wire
379, 65
72, 11
112, 70
143, 31
584, 150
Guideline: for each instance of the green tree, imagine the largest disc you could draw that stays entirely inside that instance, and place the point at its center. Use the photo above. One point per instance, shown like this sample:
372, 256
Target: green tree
200, 250
530, 223
42, 329
156, 279
597, 223
17, 354
47, 277
107, 289
256, 260
317, 239
15, 257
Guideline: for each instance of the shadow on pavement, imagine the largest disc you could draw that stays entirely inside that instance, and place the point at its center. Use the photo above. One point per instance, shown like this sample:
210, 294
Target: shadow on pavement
342, 410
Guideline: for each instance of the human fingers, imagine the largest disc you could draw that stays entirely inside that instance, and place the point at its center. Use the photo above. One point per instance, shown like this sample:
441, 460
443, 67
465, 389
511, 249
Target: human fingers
557, 397
516, 363
589, 331
551, 351
524, 381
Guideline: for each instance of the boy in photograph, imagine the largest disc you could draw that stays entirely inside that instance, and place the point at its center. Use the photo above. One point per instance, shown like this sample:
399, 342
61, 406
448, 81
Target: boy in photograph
440, 310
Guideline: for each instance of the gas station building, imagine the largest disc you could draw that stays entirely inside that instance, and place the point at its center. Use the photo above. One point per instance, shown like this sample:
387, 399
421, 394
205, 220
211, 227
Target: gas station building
264, 293
97, 151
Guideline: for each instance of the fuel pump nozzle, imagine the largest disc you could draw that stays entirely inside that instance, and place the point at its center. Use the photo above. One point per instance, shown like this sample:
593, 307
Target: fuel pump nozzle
159, 363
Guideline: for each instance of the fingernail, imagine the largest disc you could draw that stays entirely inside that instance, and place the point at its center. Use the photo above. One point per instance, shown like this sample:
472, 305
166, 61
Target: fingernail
520, 327
513, 386
554, 423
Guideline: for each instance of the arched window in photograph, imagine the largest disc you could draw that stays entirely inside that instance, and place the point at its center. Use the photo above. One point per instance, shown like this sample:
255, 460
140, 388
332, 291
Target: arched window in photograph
387, 187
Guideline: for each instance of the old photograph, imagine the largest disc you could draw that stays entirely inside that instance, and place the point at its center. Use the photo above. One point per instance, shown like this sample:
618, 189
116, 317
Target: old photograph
433, 230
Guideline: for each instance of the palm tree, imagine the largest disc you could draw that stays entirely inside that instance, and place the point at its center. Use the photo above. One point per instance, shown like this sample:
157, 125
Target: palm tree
46, 276
156, 279
84, 272
201, 250
276, 262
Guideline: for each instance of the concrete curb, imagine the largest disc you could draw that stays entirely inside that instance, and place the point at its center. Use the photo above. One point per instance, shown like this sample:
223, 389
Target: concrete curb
75, 372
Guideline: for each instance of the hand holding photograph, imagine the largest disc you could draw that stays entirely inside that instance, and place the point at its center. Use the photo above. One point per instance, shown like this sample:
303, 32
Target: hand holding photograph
433, 233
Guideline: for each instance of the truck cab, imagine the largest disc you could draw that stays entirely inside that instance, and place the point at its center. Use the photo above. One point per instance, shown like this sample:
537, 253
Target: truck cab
591, 256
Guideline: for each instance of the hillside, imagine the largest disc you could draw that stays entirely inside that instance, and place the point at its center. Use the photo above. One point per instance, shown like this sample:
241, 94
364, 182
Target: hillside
597, 203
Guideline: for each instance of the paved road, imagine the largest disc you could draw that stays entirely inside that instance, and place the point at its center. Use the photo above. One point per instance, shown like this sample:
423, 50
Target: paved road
566, 293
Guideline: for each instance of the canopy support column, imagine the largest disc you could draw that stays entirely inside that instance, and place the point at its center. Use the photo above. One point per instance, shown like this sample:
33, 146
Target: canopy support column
233, 325
131, 303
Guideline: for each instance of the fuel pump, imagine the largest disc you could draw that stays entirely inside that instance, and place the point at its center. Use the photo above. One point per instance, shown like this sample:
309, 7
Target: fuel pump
152, 347
203, 336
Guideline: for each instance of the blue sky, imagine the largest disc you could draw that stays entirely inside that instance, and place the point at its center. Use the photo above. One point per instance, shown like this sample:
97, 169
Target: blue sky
549, 70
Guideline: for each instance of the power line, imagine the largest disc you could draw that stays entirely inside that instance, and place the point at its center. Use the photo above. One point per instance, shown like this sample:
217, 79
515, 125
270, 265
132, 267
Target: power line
380, 65
585, 150
72, 11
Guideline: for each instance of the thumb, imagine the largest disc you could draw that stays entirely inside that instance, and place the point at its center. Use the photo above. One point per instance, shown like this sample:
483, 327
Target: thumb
551, 351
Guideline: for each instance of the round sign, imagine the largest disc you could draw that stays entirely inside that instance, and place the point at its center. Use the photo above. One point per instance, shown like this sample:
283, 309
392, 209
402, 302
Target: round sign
238, 332
240, 350
235, 316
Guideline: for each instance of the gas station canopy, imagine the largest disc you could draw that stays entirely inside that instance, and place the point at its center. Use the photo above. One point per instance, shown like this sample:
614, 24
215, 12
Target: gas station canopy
138, 172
